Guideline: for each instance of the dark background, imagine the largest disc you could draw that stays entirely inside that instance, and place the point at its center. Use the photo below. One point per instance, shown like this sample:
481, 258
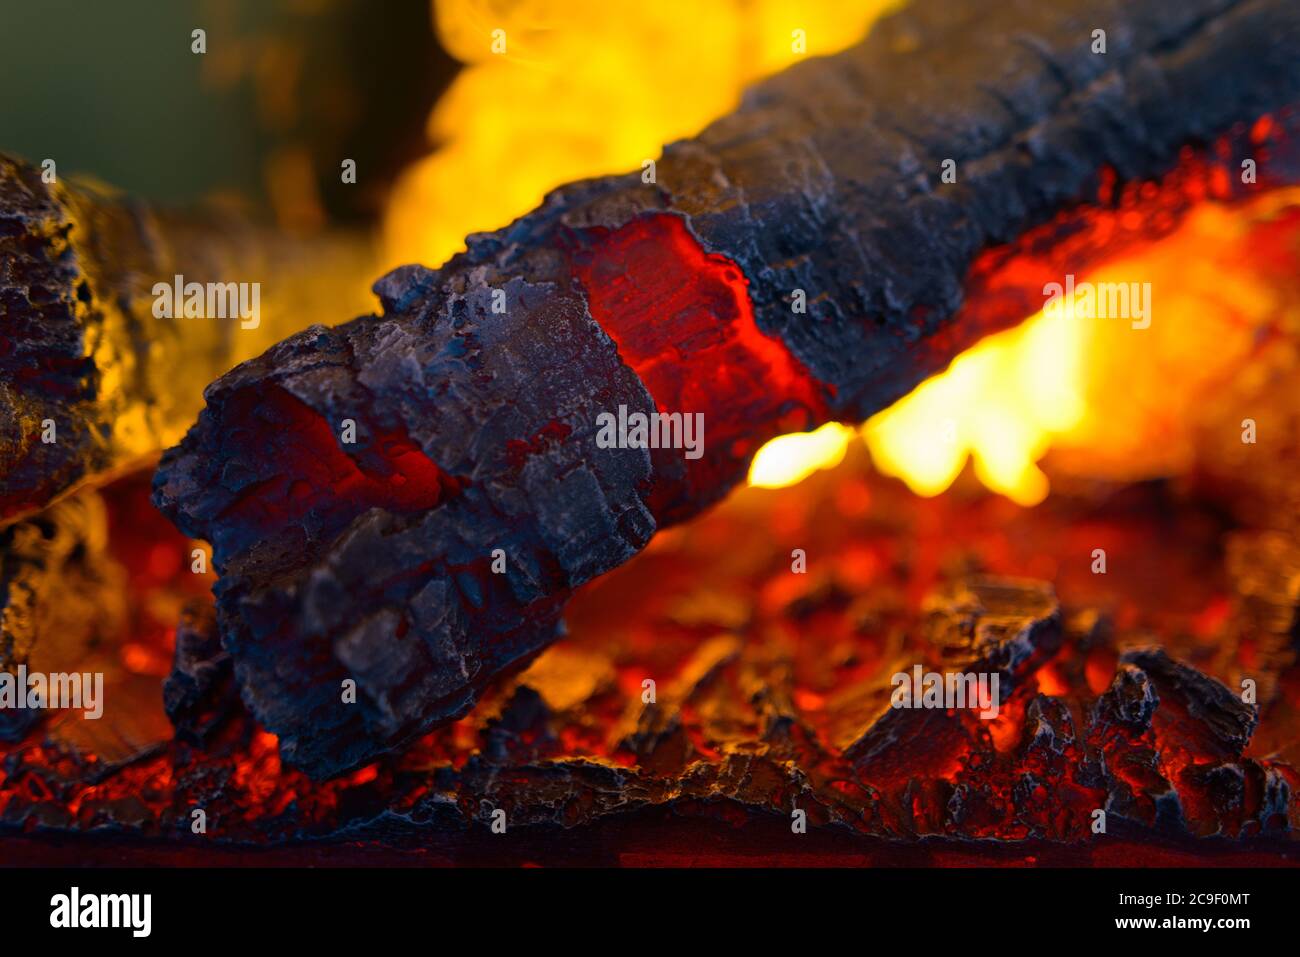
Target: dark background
286, 90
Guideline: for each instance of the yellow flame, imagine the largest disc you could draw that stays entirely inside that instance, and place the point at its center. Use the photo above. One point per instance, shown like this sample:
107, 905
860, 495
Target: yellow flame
1109, 400
585, 88
1000, 404
788, 459
1224, 317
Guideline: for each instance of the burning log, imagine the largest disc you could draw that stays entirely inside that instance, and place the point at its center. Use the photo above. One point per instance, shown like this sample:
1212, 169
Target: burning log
406, 502
92, 378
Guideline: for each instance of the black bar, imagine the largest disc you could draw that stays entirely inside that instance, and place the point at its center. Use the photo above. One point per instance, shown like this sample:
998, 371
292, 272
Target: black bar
875, 906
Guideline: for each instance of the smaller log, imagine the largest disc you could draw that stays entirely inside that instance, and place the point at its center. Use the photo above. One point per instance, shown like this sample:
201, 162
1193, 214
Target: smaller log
92, 380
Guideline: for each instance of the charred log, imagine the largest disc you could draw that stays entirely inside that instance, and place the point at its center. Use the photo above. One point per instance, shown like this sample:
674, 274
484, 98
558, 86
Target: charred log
92, 379
477, 429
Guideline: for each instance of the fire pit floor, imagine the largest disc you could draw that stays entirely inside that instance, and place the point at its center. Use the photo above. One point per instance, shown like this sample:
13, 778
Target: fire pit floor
767, 634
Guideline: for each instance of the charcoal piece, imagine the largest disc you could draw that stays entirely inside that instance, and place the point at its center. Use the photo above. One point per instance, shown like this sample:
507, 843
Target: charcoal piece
200, 691
1172, 739
1224, 722
993, 623
1131, 699
1049, 728
982, 627
477, 395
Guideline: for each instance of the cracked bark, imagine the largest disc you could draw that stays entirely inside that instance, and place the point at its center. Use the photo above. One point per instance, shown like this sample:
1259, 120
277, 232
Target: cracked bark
81, 347
476, 431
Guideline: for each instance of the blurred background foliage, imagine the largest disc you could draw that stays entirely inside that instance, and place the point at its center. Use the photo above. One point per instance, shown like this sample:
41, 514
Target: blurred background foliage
286, 91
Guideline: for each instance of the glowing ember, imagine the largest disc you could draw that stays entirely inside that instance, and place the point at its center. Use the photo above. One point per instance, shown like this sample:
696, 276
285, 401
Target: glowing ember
771, 665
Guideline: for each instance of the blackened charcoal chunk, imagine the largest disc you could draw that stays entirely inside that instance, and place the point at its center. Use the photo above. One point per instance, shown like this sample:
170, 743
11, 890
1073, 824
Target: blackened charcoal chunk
200, 691
1131, 698
1049, 727
1224, 785
981, 625
1225, 721
994, 623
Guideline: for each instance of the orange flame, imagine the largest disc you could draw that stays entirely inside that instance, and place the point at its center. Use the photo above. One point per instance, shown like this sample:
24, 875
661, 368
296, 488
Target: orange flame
553, 92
